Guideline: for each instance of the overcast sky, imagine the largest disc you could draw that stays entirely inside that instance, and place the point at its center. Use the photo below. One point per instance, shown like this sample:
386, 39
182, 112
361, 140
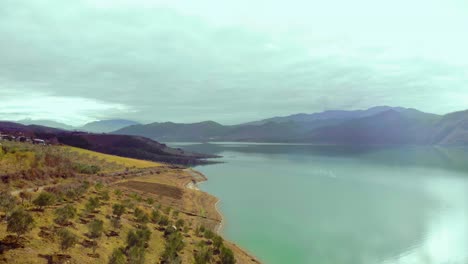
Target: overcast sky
229, 61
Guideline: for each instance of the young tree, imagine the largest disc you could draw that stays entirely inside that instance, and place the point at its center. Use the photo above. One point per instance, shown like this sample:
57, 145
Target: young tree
174, 244
154, 216
139, 237
92, 204
117, 257
105, 195
96, 227
20, 222
140, 216
227, 256
118, 210
202, 255
180, 223
67, 239
64, 214
118, 193
218, 242
44, 199
7, 201
25, 196
136, 255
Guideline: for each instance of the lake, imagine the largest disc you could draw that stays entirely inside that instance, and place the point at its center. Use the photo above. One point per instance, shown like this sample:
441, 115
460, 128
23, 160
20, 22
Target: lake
350, 205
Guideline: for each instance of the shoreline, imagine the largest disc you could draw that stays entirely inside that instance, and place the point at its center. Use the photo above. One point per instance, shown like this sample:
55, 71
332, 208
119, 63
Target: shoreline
193, 185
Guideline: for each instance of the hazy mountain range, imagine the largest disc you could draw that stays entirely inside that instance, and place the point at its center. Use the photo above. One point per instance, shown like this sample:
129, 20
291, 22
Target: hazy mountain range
379, 125
120, 145
374, 126
101, 126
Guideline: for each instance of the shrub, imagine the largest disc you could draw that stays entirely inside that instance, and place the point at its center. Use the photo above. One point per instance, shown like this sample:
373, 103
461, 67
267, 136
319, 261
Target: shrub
44, 199
95, 228
25, 196
150, 201
154, 216
7, 201
163, 220
218, 242
105, 195
92, 204
180, 223
174, 244
136, 255
67, 239
86, 169
115, 222
20, 222
203, 255
117, 257
139, 237
227, 256
140, 216
118, 210
209, 234
118, 193
63, 214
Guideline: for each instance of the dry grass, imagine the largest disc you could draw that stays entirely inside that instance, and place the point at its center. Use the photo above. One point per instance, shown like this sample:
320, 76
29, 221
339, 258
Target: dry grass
127, 162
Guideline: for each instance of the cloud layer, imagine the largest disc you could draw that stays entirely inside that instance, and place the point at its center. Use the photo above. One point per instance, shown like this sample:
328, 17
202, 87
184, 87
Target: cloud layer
228, 61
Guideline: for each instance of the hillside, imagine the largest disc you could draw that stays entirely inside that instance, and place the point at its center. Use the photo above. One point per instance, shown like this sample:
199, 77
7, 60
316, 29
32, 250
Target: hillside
105, 126
121, 145
377, 125
60, 204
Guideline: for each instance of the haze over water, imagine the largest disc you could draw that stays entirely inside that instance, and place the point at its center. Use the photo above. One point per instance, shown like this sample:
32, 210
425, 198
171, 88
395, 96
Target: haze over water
328, 204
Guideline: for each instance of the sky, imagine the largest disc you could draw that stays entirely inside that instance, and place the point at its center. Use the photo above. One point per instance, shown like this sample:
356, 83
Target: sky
230, 61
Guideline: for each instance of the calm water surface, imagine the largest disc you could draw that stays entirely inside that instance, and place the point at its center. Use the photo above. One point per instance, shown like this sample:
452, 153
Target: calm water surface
341, 205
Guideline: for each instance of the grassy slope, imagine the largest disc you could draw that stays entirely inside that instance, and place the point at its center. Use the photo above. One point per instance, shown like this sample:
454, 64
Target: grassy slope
196, 208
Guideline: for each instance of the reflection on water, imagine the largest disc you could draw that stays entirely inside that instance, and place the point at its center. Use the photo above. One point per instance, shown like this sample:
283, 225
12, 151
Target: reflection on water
353, 205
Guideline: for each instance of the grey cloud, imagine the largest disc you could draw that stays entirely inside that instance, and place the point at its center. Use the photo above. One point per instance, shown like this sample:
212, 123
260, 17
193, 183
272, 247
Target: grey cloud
172, 62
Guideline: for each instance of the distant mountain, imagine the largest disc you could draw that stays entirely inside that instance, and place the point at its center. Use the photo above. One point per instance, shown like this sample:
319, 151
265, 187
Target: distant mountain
337, 126
451, 129
47, 123
391, 127
328, 115
106, 126
120, 145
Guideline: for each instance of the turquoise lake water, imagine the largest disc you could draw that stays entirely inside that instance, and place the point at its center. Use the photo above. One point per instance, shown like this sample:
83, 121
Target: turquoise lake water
342, 205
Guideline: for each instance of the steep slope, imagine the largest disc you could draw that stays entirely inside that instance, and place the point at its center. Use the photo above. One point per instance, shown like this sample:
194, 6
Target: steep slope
296, 128
106, 126
451, 129
47, 123
328, 115
121, 145
387, 128
169, 131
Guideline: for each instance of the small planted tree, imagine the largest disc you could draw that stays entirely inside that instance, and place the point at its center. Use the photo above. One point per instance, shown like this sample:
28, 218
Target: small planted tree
117, 257
7, 201
154, 217
44, 199
174, 244
20, 222
66, 239
95, 228
136, 243
25, 196
203, 255
118, 210
227, 256
140, 216
105, 195
92, 204
64, 214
